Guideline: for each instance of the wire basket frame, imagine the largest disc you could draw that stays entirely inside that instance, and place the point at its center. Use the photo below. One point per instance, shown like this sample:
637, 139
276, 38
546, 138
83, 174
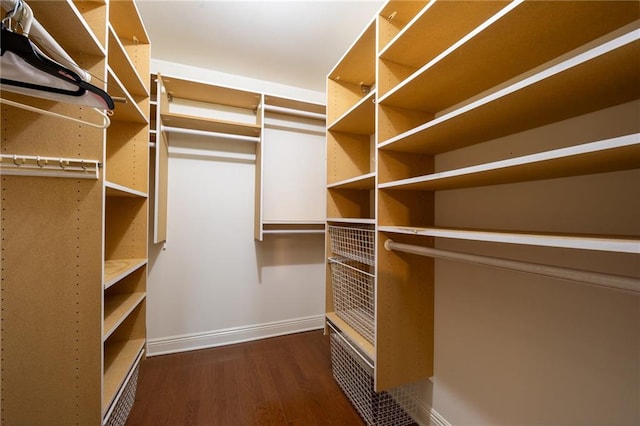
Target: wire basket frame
119, 415
353, 243
353, 295
355, 378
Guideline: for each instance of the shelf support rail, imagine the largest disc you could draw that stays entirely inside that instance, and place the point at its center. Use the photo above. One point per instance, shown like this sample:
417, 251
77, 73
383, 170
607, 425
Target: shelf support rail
617, 282
29, 165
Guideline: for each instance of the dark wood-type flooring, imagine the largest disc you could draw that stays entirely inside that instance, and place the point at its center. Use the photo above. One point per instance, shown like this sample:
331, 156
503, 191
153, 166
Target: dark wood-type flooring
278, 381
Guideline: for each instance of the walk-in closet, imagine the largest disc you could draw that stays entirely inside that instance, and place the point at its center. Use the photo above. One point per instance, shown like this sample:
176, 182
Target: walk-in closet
380, 213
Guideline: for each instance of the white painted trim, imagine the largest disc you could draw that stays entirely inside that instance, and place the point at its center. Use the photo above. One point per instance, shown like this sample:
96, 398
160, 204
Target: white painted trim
228, 336
427, 416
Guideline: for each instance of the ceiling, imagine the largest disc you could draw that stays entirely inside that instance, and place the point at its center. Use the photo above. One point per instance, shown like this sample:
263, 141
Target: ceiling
289, 42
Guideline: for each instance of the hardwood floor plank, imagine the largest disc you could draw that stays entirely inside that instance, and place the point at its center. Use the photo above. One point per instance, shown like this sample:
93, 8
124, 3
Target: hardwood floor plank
281, 381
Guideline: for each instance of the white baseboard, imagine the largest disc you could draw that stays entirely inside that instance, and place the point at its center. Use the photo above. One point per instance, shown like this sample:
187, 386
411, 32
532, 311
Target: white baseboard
210, 339
427, 416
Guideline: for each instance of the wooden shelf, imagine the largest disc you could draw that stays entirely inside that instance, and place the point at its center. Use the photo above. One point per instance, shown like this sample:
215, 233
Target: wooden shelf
366, 181
616, 244
355, 337
127, 23
117, 269
358, 64
294, 104
115, 190
209, 93
360, 119
116, 310
595, 79
130, 110
122, 65
119, 359
620, 153
444, 79
210, 125
394, 17
68, 26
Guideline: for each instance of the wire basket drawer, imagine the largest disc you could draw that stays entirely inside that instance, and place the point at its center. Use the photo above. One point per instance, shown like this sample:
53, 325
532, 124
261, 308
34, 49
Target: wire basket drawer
354, 375
353, 295
353, 243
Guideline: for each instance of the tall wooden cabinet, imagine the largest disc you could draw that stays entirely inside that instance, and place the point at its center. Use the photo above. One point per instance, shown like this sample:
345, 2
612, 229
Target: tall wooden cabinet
434, 107
74, 245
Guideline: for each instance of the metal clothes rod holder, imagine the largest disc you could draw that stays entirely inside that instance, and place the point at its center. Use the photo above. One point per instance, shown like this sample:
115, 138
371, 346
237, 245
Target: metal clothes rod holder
29, 165
295, 112
220, 135
617, 282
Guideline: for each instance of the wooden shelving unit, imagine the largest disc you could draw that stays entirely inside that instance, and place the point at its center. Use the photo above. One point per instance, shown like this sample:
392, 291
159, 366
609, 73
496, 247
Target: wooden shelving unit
471, 99
66, 360
282, 128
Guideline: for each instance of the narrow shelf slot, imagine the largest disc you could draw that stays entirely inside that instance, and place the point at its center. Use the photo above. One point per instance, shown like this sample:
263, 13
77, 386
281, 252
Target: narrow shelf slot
360, 119
119, 358
122, 65
117, 269
115, 190
361, 343
117, 308
366, 181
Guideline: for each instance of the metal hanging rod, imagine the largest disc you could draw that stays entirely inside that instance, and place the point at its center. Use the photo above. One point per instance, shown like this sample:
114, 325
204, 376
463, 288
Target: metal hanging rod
220, 135
294, 112
587, 277
29, 165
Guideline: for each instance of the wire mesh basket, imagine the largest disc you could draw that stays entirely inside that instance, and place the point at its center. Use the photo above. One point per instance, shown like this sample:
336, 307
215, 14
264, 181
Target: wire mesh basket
354, 375
353, 243
353, 295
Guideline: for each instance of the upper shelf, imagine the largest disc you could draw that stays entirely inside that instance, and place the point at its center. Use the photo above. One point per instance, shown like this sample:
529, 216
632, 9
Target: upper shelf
126, 20
360, 119
209, 93
366, 181
122, 65
394, 17
358, 65
68, 26
492, 47
210, 124
596, 78
596, 157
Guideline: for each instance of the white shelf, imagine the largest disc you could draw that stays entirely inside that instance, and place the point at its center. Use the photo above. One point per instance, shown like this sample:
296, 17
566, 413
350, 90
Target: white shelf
355, 220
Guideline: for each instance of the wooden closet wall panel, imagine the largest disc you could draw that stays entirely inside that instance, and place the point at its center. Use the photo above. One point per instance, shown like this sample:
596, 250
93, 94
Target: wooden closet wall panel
51, 237
126, 144
126, 228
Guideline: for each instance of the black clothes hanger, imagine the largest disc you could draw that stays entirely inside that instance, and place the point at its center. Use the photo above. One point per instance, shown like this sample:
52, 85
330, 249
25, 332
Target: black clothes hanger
32, 57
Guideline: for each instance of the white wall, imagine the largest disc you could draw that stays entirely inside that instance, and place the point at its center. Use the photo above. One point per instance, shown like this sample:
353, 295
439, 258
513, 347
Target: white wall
212, 283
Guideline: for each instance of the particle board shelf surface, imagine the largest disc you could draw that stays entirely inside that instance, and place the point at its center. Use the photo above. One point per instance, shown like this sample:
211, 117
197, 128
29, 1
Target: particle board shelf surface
360, 119
68, 26
294, 104
210, 93
210, 125
366, 181
132, 109
444, 80
120, 62
594, 80
117, 269
117, 308
119, 359
394, 17
115, 190
358, 64
597, 157
361, 343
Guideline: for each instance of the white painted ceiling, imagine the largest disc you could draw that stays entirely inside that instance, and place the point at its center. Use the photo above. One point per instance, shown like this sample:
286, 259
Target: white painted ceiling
290, 42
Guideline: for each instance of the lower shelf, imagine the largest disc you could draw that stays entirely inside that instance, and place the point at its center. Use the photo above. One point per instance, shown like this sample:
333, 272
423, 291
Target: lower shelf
359, 341
119, 358
119, 410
